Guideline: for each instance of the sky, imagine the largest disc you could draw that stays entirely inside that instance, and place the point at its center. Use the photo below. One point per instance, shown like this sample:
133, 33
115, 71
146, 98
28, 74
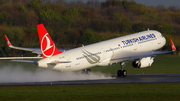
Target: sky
166, 3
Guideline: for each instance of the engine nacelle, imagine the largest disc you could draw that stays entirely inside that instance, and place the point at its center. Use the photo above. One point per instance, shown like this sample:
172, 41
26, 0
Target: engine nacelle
142, 63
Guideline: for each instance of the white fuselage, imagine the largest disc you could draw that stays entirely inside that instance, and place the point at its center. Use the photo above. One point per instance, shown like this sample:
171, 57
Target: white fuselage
102, 53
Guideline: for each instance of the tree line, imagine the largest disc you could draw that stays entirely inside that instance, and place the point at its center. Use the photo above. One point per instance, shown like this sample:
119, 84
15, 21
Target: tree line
71, 24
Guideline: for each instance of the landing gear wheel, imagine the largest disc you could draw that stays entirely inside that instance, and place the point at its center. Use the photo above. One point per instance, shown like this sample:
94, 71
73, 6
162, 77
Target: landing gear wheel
122, 73
119, 73
86, 71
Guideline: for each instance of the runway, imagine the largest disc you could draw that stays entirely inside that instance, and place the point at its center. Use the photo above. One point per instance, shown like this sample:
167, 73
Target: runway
139, 78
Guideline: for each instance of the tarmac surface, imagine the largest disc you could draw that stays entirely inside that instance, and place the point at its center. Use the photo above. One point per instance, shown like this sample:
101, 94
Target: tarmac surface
139, 78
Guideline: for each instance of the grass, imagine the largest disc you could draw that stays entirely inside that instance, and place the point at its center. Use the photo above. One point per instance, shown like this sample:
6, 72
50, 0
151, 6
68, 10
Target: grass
128, 92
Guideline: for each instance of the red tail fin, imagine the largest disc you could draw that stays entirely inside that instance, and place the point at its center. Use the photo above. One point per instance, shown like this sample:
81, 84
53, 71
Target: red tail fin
48, 47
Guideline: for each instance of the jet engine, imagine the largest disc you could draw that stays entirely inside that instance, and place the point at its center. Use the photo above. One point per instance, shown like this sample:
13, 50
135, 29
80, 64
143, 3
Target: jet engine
142, 63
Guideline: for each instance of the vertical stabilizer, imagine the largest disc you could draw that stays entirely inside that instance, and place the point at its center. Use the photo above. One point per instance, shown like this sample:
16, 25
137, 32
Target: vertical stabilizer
48, 47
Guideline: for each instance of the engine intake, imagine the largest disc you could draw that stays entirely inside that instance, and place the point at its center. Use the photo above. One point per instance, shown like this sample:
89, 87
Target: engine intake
142, 63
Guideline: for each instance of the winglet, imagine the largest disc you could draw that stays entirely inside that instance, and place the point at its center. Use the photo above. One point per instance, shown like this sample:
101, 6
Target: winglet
172, 45
8, 42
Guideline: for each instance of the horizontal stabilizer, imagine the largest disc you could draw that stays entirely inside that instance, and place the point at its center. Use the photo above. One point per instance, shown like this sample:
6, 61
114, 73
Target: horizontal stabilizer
52, 63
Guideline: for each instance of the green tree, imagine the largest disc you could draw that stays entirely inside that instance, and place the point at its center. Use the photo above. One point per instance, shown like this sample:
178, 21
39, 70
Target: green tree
73, 36
89, 37
21, 8
35, 3
164, 28
137, 27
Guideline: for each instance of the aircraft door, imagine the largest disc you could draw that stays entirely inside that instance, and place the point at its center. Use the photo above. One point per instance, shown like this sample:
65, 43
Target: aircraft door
68, 65
108, 53
135, 46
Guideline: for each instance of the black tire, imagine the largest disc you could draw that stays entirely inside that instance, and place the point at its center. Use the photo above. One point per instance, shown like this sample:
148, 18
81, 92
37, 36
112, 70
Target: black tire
119, 73
124, 73
87, 71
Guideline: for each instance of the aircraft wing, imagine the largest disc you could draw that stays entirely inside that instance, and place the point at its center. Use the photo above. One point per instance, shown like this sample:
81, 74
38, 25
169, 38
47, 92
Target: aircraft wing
33, 50
135, 55
25, 61
129, 56
31, 61
13, 58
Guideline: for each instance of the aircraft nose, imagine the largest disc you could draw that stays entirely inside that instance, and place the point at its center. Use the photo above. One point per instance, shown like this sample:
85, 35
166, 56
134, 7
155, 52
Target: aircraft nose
163, 41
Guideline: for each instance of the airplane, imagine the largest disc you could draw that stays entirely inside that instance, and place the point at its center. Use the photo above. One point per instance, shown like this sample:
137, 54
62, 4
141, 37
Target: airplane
141, 48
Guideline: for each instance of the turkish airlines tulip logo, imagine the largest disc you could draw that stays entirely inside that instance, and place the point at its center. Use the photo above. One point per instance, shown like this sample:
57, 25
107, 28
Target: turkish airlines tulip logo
90, 57
47, 46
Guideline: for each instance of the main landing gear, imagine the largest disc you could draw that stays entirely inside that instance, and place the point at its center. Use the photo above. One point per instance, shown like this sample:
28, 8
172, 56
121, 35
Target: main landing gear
122, 72
86, 71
